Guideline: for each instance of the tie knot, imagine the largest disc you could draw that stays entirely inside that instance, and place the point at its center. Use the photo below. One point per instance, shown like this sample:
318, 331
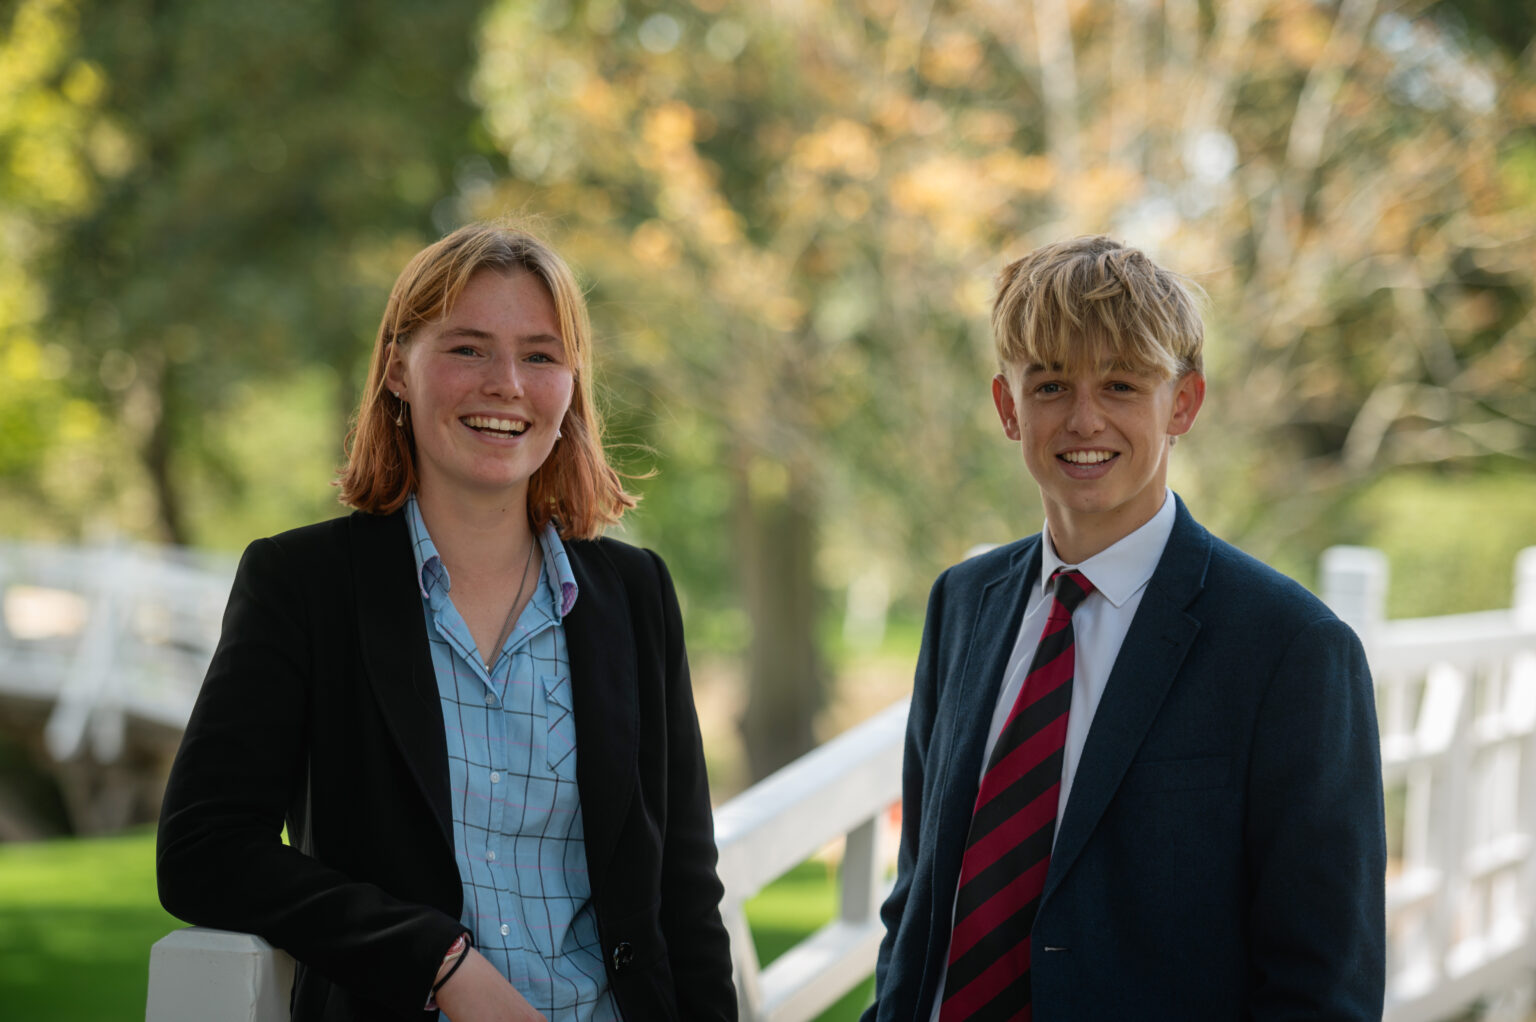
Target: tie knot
1072, 587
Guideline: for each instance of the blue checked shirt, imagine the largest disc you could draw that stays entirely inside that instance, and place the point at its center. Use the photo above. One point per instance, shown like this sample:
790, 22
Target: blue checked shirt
517, 829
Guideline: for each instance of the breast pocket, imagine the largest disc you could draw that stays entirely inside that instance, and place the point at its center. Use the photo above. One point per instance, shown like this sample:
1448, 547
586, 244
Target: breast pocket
560, 720
1178, 775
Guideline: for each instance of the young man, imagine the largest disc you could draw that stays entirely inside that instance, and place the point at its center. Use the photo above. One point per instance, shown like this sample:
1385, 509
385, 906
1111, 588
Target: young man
1142, 778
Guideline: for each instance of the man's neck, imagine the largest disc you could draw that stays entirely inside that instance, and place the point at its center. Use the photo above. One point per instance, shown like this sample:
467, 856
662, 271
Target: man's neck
1076, 538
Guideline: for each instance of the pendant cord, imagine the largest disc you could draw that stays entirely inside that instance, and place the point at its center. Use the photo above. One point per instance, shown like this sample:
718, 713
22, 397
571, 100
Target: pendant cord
506, 626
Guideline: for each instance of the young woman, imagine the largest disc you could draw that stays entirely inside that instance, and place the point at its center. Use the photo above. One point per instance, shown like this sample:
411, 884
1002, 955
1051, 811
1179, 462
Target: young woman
472, 714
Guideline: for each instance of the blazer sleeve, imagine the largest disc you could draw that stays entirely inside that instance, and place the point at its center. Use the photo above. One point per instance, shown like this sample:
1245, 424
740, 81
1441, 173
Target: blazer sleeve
697, 943
220, 858
1315, 835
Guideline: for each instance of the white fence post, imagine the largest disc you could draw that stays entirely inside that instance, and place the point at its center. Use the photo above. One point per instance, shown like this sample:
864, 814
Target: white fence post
1525, 588
1354, 585
198, 974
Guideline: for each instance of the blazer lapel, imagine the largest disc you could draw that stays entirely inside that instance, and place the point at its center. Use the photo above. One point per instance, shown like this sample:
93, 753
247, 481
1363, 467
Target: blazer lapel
396, 658
994, 628
1154, 648
599, 638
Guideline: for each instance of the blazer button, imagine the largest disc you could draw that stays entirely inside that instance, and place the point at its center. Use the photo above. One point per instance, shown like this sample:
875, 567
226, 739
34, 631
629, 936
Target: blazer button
623, 954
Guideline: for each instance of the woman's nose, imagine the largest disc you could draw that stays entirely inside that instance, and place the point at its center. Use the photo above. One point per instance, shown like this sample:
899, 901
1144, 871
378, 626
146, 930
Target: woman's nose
504, 376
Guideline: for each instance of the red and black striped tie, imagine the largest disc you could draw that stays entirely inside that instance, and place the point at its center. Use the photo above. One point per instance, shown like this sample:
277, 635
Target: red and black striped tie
1008, 850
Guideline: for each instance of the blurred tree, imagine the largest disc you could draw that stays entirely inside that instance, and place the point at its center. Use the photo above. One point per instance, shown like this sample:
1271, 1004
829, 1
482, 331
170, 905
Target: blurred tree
52, 135
755, 197
255, 175
792, 212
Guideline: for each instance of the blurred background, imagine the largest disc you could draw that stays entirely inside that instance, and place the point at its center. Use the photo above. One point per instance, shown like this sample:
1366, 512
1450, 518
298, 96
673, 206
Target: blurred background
788, 216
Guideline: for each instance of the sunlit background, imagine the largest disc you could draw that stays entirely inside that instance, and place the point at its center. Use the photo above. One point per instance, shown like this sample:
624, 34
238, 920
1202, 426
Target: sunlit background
788, 216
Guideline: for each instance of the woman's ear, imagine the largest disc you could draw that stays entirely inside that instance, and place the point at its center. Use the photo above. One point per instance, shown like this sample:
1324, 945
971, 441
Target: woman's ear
394, 370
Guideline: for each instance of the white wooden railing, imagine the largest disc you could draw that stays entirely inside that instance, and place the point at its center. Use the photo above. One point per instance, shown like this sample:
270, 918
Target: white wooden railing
1456, 697
107, 634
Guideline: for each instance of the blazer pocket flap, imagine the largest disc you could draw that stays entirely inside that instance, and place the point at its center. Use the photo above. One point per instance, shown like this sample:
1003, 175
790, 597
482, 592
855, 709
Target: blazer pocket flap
1179, 774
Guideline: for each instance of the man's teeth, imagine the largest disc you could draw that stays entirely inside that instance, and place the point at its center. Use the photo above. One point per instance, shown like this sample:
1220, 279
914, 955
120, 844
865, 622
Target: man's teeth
485, 422
1087, 457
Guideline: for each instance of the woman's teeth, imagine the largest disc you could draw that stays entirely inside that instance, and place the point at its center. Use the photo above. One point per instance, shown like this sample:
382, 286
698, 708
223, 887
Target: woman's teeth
496, 427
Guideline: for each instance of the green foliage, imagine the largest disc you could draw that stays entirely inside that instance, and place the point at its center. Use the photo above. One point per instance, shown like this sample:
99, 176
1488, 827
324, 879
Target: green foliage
243, 184
1450, 537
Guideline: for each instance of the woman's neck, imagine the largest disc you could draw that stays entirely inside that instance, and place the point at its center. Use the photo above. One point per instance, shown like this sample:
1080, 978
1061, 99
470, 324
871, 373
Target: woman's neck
478, 540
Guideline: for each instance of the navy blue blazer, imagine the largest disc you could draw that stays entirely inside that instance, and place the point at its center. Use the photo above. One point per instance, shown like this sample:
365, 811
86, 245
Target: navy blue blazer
320, 711
1222, 854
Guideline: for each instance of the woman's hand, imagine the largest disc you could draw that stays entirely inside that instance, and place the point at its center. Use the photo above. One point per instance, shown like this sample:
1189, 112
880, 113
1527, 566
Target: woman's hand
478, 992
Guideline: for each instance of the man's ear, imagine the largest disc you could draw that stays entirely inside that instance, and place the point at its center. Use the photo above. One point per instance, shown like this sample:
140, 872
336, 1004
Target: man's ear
1188, 396
1007, 411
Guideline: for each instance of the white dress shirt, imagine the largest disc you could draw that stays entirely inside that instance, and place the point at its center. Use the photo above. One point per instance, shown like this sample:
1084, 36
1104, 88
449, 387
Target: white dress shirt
1119, 574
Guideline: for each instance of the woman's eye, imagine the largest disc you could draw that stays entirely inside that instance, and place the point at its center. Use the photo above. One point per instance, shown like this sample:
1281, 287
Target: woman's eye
464, 349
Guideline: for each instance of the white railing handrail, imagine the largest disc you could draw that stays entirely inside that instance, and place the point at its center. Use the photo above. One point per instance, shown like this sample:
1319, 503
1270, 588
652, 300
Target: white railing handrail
838, 790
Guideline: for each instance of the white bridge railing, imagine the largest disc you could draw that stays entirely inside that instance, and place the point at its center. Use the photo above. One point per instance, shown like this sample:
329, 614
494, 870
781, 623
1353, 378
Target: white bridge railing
106, 635
1457, 703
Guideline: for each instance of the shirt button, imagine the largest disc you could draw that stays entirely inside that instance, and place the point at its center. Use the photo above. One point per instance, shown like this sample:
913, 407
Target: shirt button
490, 856
505, 929
495, 777
490, 699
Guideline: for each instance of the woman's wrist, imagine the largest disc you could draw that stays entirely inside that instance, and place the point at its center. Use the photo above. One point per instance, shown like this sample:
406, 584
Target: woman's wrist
452, 959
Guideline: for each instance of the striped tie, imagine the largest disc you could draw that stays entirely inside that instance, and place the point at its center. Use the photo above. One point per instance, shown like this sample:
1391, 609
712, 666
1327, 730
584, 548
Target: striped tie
1008, 850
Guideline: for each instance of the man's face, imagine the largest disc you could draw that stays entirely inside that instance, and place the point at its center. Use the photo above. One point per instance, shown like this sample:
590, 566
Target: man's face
1096, 441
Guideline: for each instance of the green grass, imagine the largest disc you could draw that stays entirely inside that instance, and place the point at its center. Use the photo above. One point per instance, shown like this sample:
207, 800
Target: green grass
77, 918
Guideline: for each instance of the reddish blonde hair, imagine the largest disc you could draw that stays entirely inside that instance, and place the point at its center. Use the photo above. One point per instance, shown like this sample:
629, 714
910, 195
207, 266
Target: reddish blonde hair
575, 487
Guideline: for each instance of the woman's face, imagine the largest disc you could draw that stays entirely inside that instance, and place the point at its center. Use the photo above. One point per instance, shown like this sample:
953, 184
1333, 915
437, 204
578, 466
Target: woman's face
488, 386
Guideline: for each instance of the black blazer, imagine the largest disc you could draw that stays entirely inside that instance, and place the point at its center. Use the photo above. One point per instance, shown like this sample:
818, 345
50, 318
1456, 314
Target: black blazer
1222, 855
320, 710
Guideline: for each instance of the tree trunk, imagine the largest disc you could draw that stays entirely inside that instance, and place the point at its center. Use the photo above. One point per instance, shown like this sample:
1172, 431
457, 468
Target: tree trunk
775, 517
152, 405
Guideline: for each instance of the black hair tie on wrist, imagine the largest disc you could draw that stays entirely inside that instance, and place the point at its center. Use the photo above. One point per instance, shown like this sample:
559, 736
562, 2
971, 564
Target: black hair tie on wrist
451, 970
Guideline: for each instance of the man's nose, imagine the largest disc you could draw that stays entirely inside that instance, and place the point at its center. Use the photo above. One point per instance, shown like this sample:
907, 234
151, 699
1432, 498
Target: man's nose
1087, 417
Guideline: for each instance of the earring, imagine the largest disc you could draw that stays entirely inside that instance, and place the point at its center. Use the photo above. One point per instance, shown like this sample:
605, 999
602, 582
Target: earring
558, 434
1172, 440
399, 415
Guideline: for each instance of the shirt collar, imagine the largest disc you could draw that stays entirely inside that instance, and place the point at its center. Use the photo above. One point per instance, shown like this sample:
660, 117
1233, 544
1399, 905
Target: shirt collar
430, 570
1122, 568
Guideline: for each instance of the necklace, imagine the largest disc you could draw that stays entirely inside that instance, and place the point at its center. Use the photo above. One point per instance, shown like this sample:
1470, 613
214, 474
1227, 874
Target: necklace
506, 626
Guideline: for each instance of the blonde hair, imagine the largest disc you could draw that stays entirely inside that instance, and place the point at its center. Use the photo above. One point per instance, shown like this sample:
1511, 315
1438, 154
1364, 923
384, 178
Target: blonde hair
1092, 298
575, 487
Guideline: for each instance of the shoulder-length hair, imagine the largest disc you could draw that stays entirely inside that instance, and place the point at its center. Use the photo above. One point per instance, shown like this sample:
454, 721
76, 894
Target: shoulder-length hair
575, 487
